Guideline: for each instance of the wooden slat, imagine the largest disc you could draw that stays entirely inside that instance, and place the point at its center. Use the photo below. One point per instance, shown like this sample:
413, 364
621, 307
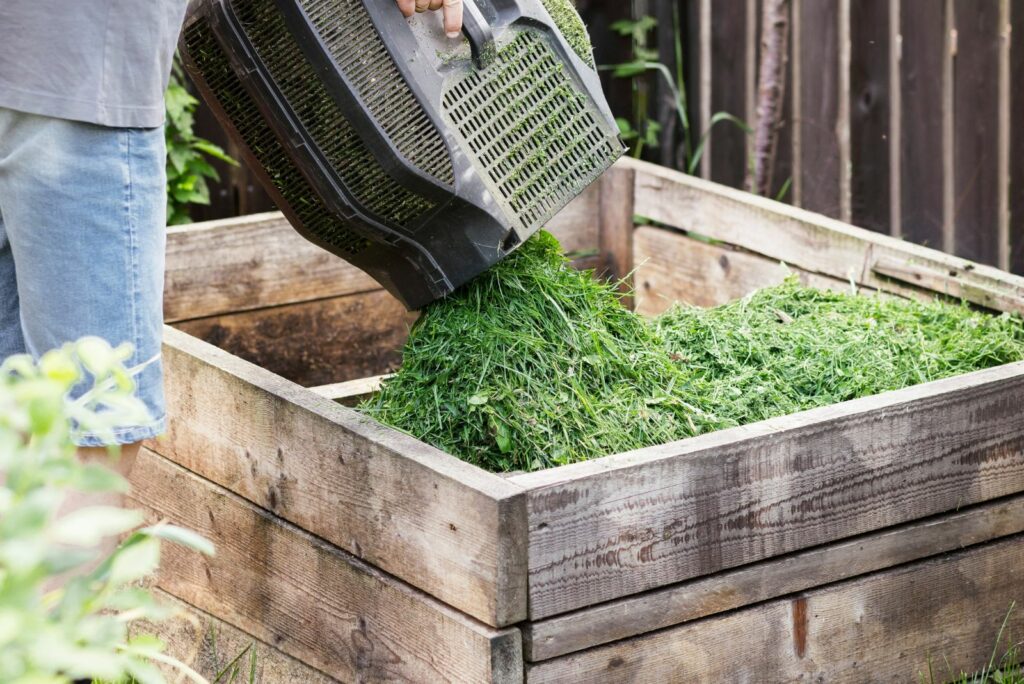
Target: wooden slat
434, 521
870, 105
819, 106
672, 267
315, 343
976, 114
577, 225
352, 389
616, 225
884, 627
922, 23
770, 579
309, 599
802, 239
246, 263
627, 523
1017, 137
208, 644
728, 93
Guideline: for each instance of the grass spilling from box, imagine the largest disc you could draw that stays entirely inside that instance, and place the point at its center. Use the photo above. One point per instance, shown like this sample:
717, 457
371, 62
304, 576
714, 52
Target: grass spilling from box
535, 364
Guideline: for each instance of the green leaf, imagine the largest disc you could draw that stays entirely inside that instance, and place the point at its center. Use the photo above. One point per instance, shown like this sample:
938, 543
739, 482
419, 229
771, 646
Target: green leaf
182, 536
89, 526
134, 560
477, 400
93, 477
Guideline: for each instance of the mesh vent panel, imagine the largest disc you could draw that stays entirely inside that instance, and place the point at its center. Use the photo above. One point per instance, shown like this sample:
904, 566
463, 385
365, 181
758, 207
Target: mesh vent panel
347, 31
208, 56
530, 128
369, 184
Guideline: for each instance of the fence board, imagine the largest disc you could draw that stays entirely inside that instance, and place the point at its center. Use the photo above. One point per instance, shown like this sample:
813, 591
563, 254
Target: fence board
976, 114
1017, 136
819, 103
728, 147
922, 24
869, 114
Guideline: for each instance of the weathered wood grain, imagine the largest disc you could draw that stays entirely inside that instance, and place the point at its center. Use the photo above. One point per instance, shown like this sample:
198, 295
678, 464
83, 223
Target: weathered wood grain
317, 342
800, 238
351, 390
309, 599
672, 267
620, 525
770, 579
440, 524
246, 263
208, 645
885, 627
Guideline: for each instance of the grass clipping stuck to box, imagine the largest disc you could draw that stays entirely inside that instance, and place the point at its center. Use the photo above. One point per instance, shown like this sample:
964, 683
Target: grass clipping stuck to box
535, 364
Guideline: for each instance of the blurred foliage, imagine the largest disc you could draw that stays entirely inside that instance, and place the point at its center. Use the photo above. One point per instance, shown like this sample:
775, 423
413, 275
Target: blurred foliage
65, 612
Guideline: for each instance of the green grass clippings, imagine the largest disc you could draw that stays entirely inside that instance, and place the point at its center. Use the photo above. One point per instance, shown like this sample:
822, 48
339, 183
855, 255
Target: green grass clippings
571, 25
535, 364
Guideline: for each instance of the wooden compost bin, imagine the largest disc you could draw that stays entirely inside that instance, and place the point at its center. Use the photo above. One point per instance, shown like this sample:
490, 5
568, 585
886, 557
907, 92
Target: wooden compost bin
853, 542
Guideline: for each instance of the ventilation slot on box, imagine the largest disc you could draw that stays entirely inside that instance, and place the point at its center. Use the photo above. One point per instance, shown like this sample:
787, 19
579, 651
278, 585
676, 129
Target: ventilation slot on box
219, 78
532, 130
375, 190
346, 29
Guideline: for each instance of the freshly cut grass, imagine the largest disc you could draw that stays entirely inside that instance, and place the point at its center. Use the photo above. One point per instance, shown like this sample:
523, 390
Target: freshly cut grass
535, 364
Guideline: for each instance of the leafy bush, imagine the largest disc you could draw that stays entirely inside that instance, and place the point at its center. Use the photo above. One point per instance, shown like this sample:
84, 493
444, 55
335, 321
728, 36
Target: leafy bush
81, 628
188, 166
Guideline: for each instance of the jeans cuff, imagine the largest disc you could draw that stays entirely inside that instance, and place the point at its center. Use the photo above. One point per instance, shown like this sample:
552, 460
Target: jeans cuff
121, 436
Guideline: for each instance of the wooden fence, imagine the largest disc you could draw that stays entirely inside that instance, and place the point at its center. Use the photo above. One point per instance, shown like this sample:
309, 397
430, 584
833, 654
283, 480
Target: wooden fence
902, 116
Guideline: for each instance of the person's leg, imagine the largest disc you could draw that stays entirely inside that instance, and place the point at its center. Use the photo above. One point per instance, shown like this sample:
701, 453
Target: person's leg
84, 211
11, 339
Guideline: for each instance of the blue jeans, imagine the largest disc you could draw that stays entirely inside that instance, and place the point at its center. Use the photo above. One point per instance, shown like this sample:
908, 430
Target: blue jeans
82, 238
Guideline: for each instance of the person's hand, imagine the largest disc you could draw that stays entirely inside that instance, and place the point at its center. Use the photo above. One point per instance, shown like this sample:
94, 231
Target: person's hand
452, 12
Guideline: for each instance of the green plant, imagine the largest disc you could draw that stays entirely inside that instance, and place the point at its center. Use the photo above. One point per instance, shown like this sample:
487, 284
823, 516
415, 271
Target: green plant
188, 165
80, 629
1006, 670
644, 131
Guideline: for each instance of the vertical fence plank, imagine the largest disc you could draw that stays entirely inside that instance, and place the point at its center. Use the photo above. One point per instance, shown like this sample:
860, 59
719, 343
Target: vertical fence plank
922, 26
870, 103
976, 122
819, 106
843, 123
728, 89
1003, 141
1017, 136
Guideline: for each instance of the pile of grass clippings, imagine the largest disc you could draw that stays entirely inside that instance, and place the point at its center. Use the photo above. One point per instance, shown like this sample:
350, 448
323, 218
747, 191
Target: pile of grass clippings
535, 364
789, 348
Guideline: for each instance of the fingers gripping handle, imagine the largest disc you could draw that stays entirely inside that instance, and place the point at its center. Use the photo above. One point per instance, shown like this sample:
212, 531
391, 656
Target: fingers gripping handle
479, 33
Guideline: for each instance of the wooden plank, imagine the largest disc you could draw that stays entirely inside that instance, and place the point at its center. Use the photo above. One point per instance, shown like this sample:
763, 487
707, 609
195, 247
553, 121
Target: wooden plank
603, 529
884, 627
800, 238
672, 267
208, 645
843, 116
434, 521
353, 389
819, 106
309, 599
616, 226
870, 130
728, 150
315, 343
770, 579
1017, 137
577, 225
921, 24
976, 120
247, 263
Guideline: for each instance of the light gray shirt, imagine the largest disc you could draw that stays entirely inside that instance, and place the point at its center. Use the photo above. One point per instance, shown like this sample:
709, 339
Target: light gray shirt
101, 61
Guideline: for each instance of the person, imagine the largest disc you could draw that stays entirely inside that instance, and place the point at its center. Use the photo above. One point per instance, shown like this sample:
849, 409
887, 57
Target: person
82, 179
